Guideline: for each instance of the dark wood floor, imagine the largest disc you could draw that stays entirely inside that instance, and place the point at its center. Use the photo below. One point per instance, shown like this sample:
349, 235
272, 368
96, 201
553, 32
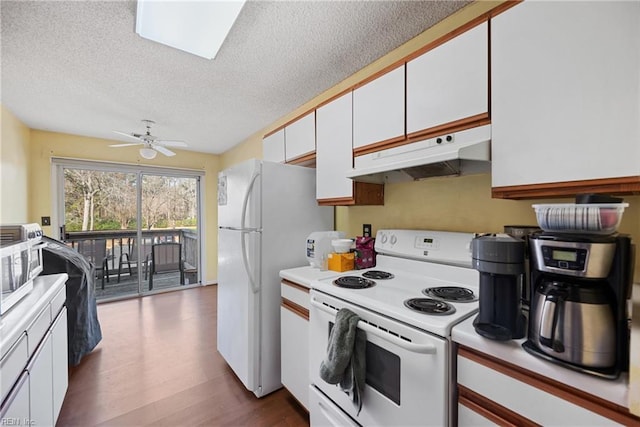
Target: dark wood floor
157, 364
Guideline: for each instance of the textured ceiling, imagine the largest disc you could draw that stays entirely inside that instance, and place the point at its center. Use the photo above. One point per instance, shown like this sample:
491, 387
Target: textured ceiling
79, 67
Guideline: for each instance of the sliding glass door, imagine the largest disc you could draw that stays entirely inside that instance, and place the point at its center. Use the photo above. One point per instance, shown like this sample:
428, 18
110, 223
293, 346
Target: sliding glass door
139, 227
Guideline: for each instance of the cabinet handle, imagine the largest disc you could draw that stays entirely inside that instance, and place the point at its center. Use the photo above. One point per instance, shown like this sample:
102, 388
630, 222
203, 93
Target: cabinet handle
415, 348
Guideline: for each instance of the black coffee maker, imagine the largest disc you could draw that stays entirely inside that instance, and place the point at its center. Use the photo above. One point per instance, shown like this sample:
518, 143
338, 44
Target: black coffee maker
580, 285
500, 261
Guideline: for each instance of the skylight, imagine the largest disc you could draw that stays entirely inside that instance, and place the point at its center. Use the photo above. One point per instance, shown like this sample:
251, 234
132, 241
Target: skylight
197, 27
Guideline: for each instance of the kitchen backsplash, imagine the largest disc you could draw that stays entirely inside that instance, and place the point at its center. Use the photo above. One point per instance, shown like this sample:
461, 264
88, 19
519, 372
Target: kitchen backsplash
459, 204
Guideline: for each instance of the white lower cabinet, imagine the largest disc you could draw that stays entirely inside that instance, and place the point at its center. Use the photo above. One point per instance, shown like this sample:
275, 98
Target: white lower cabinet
492, 393
40, 371
15, 409
36, 367
60, 361
294, 340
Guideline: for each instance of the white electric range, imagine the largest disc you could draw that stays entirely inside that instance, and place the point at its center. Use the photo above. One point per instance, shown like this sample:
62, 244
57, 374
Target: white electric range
407, 313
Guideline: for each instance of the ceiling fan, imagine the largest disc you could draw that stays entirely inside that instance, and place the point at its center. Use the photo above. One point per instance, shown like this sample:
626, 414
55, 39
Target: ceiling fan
152, 144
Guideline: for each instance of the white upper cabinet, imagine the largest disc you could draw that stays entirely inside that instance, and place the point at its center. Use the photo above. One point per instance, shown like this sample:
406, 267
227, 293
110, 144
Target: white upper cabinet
273, 147
449, 83
334, 153
378, 109
565, 92
300, 137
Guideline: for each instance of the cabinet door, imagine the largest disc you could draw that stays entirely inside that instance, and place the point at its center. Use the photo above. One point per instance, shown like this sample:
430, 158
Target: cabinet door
334, 152
378, 110
449, 84
15, 409
60, 361
300, 137
273, 147
295, 354
41, 384
565, 92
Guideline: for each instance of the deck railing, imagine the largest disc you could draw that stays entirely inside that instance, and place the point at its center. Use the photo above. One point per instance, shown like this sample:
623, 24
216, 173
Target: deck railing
119, 242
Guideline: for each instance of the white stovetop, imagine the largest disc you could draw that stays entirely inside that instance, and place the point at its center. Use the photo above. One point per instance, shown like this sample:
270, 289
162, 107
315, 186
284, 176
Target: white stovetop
615, 391
387, 297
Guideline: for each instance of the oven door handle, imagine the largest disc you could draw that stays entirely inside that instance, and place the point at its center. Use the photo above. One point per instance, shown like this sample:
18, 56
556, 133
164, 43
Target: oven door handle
414, 348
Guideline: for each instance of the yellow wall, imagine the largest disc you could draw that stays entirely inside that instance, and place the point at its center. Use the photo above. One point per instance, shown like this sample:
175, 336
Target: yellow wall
45, 145
14, 167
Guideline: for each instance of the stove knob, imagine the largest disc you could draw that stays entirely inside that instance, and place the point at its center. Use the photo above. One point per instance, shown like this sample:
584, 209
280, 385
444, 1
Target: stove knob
394, 239
31, 235
383, 238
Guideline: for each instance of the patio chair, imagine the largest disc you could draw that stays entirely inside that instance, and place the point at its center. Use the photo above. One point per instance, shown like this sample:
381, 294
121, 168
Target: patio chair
95, 251
166, 258
131, 257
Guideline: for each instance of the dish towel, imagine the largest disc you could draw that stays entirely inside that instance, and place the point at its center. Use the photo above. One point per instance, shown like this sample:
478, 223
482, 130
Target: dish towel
344, 363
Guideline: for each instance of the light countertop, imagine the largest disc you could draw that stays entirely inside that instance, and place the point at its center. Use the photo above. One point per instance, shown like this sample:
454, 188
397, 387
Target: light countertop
15, 321
307, 274
615, 391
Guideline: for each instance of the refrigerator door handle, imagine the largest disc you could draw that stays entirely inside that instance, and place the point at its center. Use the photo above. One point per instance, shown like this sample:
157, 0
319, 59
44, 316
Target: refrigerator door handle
245, 202
245, 262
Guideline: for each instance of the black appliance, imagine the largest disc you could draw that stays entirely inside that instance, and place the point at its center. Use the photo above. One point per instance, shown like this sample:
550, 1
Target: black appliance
500, 261
580, 287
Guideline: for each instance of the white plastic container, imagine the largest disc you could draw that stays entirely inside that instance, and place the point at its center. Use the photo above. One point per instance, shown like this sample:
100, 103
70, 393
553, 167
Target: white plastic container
319, 247
342, 246
591, 218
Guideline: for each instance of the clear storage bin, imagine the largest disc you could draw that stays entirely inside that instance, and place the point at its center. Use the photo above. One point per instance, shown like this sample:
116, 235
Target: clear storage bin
591, 218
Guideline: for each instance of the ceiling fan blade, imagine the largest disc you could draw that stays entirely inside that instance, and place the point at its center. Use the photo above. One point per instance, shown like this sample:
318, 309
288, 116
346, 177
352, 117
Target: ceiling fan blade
163, 150
126, 134
171, 143
128, 144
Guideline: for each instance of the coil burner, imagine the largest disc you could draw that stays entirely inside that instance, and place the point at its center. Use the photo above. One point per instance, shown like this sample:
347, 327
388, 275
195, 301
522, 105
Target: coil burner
429, 306
377, 274
353, 282
451, 293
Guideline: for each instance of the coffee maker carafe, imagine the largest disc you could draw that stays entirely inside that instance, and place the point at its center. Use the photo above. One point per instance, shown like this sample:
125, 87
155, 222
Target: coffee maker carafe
580, 285
500, 261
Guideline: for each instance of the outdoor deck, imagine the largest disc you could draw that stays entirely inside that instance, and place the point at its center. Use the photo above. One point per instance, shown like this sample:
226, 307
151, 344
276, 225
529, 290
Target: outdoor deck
129, 285
108, 250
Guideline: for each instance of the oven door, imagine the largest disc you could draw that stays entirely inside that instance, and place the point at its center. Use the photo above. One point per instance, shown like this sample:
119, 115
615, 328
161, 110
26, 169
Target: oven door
406, 368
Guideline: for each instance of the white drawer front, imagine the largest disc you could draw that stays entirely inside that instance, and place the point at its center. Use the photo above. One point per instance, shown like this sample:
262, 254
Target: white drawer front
38, 328
295, 295
520, 397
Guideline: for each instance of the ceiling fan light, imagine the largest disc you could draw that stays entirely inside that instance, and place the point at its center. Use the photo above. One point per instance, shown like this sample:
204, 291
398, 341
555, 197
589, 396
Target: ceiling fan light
148, 153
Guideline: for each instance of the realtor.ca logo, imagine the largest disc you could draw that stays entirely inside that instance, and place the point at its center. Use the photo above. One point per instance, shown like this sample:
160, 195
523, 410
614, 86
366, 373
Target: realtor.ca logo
17, 422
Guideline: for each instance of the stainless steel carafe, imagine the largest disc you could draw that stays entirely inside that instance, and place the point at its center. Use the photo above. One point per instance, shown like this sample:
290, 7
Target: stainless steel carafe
575, 322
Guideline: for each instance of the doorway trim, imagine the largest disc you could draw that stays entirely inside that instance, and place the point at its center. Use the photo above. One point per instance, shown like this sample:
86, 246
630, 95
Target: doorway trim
58, 164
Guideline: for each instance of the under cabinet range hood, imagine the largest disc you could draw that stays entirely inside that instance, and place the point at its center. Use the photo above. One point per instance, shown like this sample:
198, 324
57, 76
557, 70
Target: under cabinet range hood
460, 153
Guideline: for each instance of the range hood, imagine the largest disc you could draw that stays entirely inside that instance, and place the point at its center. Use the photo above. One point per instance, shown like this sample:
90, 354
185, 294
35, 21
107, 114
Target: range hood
460, 153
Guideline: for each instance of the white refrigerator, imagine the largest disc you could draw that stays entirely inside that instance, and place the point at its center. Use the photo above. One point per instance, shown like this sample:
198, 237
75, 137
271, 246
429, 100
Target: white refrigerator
265, 213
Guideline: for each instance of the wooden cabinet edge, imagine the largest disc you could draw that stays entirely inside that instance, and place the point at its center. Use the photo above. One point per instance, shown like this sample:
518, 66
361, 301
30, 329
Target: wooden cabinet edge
454, 126
613, 186
294, 285
295, 308
490, 409
365, 194
563, 391
308, 160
